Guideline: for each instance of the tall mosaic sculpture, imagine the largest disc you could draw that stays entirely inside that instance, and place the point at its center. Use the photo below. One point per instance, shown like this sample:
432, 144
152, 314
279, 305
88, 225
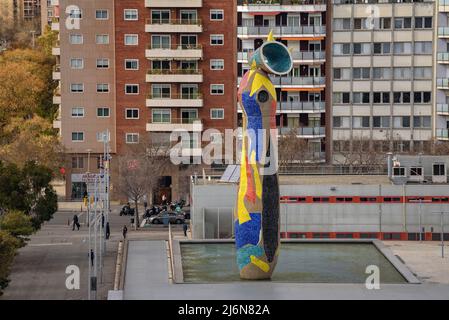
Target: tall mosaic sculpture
256, 218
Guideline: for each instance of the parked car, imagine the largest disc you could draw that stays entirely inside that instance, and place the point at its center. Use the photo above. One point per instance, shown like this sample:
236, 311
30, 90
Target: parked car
171, 216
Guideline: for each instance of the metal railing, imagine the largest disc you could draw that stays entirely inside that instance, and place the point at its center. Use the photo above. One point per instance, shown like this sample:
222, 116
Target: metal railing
179, 121
173, 21
442, 107
280, 30
443, 56
296, 55
187, 96
303, 131
443, 31
176, 46
301, 106
443, 83
442, 133
279, 2
173, 71
299, 81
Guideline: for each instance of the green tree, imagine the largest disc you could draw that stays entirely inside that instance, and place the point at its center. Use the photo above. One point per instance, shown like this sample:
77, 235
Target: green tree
8, 247
18, 224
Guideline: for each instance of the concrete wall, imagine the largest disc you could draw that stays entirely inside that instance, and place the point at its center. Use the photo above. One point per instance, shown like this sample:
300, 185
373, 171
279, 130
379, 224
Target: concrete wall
330, 217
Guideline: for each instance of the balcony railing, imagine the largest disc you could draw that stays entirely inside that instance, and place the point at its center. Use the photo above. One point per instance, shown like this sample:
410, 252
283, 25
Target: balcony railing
279, 2
443, 57
296, 55
281, 31
442, 134
443, 108
298, 106
298, 81
175, 47
179, 121
443, 31
443, 83
304, 131
174, 72
185, 96
196, 22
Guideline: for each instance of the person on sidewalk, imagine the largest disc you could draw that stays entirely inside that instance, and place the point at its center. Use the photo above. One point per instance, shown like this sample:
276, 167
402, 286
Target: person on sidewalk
125, 231
184, 228
108, 231
76, 223
92, 257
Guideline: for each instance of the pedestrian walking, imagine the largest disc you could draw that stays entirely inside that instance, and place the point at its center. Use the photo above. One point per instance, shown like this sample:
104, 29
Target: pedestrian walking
92, 257
75, 222
184, 227
102, 221
108, 231
125, 231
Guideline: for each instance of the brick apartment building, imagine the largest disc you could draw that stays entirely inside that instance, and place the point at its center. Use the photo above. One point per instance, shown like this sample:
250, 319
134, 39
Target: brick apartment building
142, 67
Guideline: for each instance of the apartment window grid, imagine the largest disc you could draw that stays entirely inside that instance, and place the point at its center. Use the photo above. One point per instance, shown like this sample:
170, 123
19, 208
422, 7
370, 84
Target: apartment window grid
77, 162
217, 89
132, 138
78, 136
102, 14
216, 14
132, 113
216, 39
76, 39
383, 23
131, 14
102, 88
381, 122
76, 63
102, 39
383, 73
103, 112
77, 112
132, 64
131, 39
217, 113
132, 89
102, 63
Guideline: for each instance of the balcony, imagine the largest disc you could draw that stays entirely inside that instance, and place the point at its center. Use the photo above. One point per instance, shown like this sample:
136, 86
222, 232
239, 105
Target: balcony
443, 83
56, 72
443, 32
55, 26
177, 52
175, 101
56, 99
56, 51
301, 107
304, 132
173, 3
174, 26
186, 124
298, 57
167, 76
443, 57
304, 82
281, 32
443, 109
261, 6
442, 134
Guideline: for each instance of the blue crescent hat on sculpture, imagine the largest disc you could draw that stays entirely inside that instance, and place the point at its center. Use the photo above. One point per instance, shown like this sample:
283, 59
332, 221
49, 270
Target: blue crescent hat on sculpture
256, 217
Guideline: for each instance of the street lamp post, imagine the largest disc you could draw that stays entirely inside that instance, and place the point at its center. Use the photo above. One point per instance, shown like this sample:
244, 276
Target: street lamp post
442, 213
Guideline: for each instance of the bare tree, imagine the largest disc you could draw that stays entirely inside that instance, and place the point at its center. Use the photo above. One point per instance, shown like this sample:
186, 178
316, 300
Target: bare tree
139, 170
361, 154
441, 148
292, 149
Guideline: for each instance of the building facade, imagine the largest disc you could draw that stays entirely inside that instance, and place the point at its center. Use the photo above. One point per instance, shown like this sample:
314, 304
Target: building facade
441, 121
302, 27
142, 68
383, 91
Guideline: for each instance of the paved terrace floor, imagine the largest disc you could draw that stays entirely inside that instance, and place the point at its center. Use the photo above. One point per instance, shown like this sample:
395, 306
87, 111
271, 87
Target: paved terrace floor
147, 278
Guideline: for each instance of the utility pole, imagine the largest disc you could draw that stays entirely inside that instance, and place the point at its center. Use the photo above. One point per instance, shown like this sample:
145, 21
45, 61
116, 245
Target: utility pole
441, 213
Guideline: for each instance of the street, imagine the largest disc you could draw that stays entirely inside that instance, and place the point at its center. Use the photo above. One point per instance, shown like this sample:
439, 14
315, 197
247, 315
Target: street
39, 269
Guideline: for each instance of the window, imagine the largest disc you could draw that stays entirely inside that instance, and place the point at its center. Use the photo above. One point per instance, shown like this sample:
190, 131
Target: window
362, 23
402, 48
361, 73
423, 47
382, 73
160, 16
160, 42
102, 63
132, 138
76, 63
75, 14
361, 122
189, 16
217, 113
423, 22
401, 97
102, 87
161, 115
76, 39
402, 73
422, 73
217, 64
164, 65
77, 112
422, 96
381, 122
77, 163
131, 89
130, 15
416, 171
217, 89
401, 122
77, 136
385, 23
381, 48
381, 97
103, 112
101, 136
342, 24
131, 64
101, 14
216, 14
76, 87
361, 97
131, 39
421, 122
161, 91
341, 122
342, 48
399, 172
362, 48
102, 39
216, 39
132, 113
439, 169
402, 23
341, 97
